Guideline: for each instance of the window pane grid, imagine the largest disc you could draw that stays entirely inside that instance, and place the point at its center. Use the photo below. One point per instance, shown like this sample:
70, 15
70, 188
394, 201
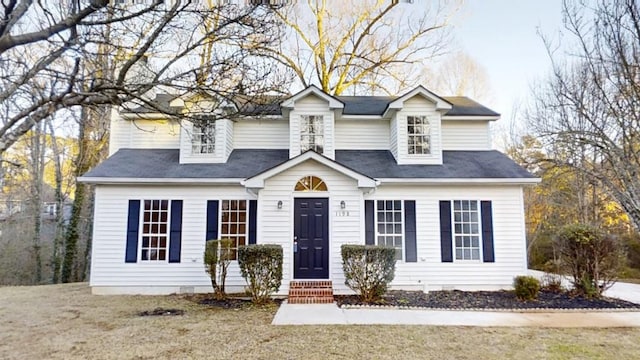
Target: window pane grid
311, 133
389, 225
203, 140
466, 229
311, 183
155, 230
233, 224
418, 135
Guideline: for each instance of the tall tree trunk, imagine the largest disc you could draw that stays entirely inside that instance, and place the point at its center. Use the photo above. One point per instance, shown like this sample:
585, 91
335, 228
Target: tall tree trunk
56, 260
37, 159
87, 249
82, 165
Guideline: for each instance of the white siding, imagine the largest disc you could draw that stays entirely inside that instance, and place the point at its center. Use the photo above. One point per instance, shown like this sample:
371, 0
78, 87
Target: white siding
466, 135
159, 134
362, 134
119, 133
145, 134
227, 141
261, 134
393, 137
418, 106
276, 226
109, 272
429, 272
311, 105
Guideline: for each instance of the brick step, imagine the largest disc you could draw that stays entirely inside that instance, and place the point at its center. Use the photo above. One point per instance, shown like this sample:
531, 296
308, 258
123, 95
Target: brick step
310, 300
310, 292
310, 285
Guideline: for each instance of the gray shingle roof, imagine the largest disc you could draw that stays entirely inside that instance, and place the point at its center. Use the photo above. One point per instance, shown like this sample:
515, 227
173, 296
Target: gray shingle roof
365, 105
376, 105
161, 101
244, 163
379, 164
165, 163
463, 106
353, 105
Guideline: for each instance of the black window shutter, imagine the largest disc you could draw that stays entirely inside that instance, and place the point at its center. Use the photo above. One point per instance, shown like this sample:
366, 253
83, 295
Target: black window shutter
487, 231
446, 248
410, 247
133, 223
369, 226
253, 221
212, 220
175, 235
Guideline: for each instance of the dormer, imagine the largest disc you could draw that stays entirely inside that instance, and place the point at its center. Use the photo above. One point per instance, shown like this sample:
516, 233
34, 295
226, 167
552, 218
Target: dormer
206, 136
311, 121
415, 127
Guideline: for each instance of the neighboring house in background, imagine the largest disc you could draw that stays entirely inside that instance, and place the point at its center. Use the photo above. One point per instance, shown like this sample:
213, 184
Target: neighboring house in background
310, 173
11, 206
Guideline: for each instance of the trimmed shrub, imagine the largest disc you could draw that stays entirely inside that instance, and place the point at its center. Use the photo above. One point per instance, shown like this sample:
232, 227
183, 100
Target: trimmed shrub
591, 257
217, 257
368, 270
261, 267
526, 287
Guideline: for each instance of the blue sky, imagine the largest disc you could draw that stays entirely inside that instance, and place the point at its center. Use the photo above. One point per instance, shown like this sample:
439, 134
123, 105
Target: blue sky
501, 35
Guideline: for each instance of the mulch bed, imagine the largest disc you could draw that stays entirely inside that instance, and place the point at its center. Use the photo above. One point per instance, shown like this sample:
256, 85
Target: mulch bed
161, 312
229, 303
233, 301
488, 300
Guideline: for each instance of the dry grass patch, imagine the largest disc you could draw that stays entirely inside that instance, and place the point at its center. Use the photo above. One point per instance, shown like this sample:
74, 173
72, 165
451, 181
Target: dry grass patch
66, 321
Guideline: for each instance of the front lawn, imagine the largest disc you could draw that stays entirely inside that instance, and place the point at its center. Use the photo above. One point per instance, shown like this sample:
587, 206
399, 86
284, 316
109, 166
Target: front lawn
65, 321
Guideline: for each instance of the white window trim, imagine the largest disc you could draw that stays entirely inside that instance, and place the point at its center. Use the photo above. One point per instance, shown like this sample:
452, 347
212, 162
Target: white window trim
402, 225
430, 120
311, 191
141, 232
453, 234
192, 138
246, 228
323, 134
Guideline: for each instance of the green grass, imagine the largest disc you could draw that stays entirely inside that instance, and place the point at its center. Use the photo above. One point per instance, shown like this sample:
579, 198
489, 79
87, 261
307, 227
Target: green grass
66, 322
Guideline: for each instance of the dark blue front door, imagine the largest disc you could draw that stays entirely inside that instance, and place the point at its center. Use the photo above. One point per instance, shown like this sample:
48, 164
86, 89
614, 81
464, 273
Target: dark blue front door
311, 238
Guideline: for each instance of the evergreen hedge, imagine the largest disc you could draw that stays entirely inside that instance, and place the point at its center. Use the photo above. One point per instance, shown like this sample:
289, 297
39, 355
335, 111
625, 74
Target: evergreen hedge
368, 269
526, 287
261, 267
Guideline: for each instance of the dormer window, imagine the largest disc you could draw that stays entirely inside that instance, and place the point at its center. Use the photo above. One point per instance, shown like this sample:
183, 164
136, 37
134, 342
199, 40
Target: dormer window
418, 135
203, 140
311, 133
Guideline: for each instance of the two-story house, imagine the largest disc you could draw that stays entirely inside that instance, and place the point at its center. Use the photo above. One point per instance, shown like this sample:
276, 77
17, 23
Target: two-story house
310, 173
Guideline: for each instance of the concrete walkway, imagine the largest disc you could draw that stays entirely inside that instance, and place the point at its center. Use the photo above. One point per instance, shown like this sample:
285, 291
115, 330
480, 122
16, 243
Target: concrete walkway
330, 314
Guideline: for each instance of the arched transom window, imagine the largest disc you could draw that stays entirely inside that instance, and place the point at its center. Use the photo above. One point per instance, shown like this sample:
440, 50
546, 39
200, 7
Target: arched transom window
311, 183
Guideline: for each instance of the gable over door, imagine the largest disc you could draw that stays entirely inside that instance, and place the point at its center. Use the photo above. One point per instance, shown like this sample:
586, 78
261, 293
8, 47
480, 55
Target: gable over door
311, 238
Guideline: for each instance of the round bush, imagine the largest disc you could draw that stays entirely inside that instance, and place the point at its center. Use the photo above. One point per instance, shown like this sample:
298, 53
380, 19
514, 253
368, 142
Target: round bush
526, 287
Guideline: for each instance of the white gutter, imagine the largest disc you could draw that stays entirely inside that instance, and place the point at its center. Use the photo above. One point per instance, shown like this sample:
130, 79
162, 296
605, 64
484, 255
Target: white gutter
258, 117
160, 181
462, 181
470, 117
241, 181
362, 117
145, 116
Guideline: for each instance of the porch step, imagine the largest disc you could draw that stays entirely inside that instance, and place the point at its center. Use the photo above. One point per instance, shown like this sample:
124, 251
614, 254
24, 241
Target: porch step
310, 292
